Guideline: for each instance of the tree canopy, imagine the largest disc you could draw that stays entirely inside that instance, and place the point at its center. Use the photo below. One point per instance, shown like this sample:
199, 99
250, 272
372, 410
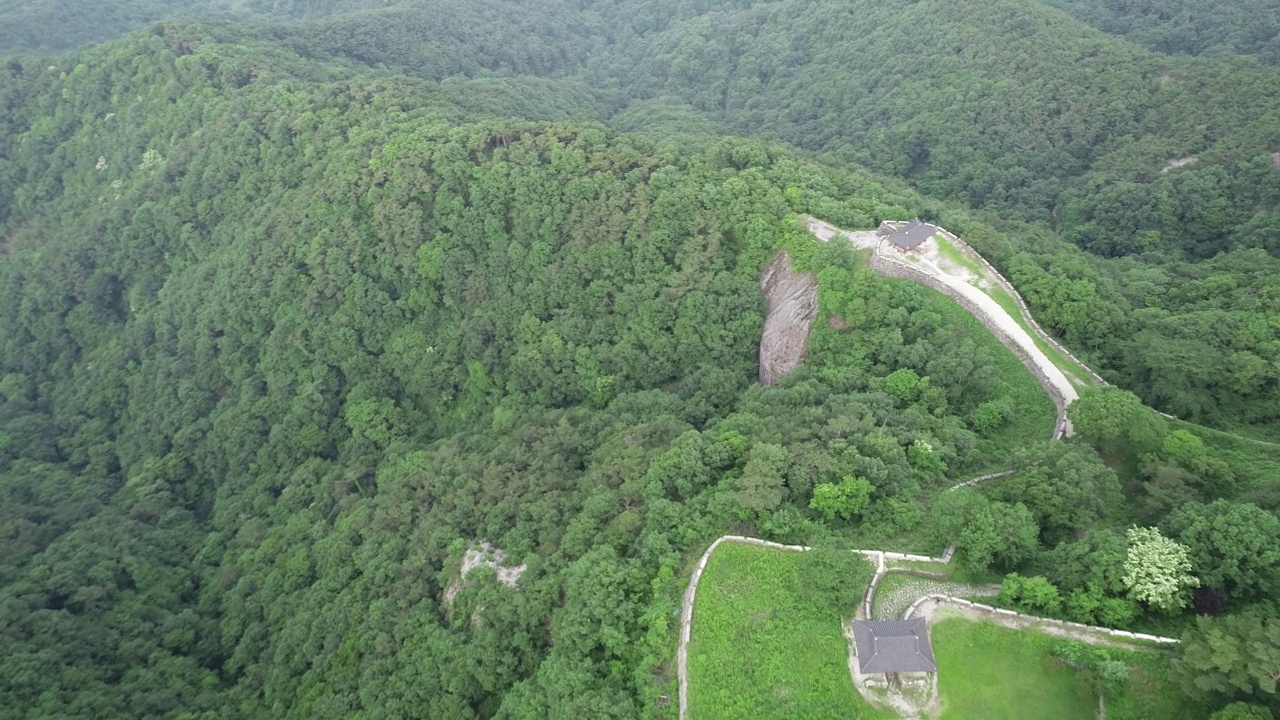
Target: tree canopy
282, 343
1234, 656
300, 318
1157, 570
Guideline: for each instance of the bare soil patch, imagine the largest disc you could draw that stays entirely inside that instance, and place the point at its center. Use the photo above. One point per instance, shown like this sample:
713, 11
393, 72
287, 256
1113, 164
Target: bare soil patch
793, 305
860, 239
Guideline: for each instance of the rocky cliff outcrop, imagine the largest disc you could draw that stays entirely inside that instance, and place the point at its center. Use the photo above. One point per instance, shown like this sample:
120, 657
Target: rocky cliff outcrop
793, 306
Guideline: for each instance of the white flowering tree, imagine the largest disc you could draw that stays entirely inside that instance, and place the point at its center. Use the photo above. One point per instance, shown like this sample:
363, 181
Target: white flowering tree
1157, 570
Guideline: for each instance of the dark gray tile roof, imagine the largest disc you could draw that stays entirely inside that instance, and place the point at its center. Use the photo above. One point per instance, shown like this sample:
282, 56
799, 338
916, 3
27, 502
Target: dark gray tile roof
909, 236
893, 646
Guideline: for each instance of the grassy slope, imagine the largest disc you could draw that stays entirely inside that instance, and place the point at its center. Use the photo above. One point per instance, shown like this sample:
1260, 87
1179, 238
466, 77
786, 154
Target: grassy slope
1248, 457
760, 650
986, 672
1152, 692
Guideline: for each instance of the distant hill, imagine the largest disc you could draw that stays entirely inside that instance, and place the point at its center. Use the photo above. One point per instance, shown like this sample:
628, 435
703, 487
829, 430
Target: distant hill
1005, 105
297, 316
55, 26
1189, 27
280, 339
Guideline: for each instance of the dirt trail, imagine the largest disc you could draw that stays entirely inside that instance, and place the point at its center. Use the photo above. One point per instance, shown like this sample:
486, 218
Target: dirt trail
793, 305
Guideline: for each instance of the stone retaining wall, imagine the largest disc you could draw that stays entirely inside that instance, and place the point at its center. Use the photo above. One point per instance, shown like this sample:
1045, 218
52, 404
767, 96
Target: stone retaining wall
1025, 312
879, 557
1065, 624
889, 226
982, 479
888, 267
1022, 306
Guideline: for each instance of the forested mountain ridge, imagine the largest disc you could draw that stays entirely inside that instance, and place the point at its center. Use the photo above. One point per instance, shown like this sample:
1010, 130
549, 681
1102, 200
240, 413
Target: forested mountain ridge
1009, 106
1231, 27
1006, 105
55, 26
1018, 109
1163, 161
278, 341
282, 336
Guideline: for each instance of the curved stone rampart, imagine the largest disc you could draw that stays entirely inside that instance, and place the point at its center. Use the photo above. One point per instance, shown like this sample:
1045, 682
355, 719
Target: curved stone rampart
878, 557
890, 267
1023, 310
983, 478
1066, 625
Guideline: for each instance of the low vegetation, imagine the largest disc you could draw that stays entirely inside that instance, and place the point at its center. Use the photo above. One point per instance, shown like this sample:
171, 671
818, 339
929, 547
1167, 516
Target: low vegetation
763, 648
988, 672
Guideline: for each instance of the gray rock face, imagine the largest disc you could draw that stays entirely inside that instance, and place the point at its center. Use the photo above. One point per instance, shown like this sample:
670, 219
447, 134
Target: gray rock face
793, 306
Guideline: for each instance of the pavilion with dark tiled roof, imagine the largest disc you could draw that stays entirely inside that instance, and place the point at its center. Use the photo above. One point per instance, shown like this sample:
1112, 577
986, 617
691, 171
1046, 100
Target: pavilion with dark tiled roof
894, 646
912, 235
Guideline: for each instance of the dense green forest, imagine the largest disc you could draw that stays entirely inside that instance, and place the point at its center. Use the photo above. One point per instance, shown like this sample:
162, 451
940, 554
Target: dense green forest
1233, 27
54, 26
280, 341
1161, 169
294, 315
